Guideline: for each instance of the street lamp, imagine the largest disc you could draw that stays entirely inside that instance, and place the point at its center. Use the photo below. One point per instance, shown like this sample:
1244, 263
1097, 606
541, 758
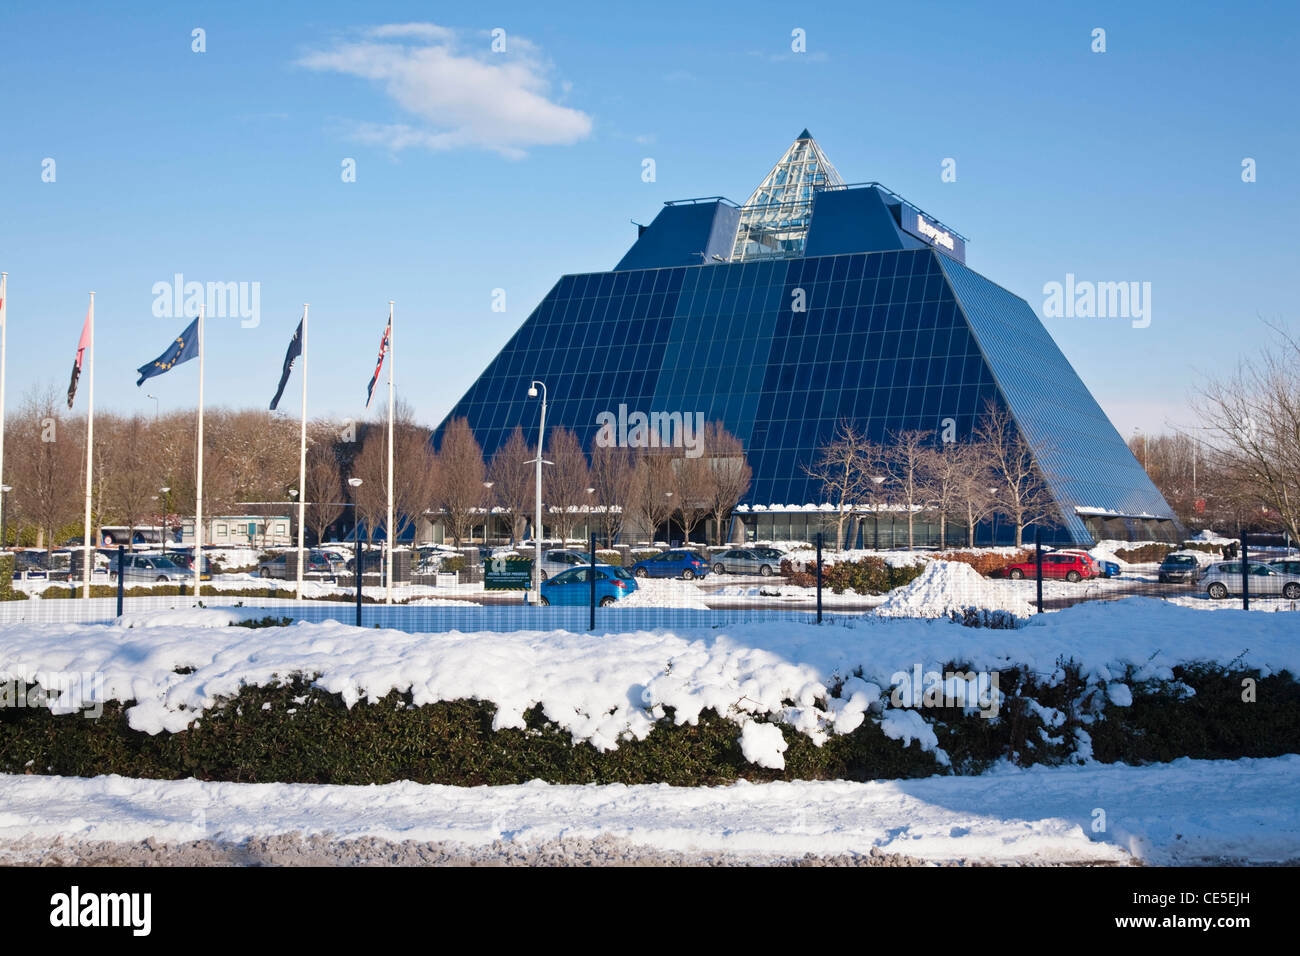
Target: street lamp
537, 529
155, 406
167, 507
4, 516
487, 513
356, 537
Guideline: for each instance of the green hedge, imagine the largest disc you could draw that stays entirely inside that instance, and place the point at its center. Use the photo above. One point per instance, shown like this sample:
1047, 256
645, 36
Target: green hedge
7, 592
869, 575
319, 740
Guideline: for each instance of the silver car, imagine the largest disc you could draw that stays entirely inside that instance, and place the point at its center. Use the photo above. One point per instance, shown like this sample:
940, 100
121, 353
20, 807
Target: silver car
743, 561
150, 568
1266, 580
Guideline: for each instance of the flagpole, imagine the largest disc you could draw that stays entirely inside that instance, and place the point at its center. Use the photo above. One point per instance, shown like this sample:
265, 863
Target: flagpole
90, 451
198, 497
392, 358
4, 322
302, 452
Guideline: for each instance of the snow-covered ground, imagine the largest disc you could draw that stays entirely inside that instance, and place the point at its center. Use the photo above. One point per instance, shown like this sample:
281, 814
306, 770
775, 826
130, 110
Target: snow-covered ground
1186, 812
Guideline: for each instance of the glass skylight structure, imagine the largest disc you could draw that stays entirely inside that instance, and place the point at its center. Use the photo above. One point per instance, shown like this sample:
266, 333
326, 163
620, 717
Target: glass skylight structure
774, 220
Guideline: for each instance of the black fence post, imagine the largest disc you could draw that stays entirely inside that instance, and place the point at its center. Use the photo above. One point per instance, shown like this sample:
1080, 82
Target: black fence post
360, 575
1245, 572
1038, 565
819, 577
593, 582
121, 577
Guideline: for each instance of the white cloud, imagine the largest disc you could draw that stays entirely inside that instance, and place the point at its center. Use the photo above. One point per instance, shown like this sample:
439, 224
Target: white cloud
458, 99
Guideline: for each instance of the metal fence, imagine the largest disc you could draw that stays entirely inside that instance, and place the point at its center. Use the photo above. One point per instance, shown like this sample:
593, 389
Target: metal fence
1001, 587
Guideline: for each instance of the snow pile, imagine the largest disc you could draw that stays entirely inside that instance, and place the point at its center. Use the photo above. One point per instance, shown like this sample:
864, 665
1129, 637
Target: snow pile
185, 617
953, 589
764, 744
664, 592
1209, 537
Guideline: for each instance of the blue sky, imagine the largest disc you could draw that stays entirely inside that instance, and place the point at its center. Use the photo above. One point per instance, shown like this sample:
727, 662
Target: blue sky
477, 171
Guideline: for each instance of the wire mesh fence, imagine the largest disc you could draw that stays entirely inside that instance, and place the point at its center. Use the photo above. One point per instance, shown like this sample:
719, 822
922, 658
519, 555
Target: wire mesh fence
576, 587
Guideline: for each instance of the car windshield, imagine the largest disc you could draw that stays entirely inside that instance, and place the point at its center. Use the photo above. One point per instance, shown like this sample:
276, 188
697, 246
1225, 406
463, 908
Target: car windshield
1180, 559
623, 573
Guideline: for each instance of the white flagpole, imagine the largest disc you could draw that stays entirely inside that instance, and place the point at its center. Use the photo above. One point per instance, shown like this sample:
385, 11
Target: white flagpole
4, 322
392, 358
302, 451
86, 544
198, 497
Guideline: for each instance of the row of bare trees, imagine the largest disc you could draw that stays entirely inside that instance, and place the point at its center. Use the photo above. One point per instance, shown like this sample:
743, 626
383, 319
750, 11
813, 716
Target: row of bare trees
993, 473
1239, 468
252, 456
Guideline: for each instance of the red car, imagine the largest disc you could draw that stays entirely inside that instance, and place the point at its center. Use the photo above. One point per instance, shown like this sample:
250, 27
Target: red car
1069, 565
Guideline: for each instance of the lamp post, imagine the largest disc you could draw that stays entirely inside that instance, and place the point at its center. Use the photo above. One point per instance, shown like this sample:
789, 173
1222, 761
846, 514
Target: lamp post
155, 406
875, 511
167, 507
993, 493
4, 516
487, 513
356, 538
537, 524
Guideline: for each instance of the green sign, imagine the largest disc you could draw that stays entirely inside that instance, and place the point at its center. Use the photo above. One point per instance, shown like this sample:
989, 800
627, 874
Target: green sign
508, 574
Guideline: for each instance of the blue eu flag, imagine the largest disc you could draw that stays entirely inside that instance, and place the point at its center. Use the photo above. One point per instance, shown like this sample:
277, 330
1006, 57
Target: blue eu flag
183, 349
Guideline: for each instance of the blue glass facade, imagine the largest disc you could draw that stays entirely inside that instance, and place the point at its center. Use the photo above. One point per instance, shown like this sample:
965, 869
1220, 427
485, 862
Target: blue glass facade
890, 336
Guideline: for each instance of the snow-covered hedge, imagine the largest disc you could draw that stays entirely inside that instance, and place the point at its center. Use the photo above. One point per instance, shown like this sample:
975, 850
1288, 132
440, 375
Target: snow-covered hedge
1132, 680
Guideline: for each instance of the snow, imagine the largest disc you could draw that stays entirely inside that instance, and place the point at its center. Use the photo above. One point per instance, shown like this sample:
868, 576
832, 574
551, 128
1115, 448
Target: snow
1185, 812
664, 592
763, 744
607, 686
945, 588
185, 617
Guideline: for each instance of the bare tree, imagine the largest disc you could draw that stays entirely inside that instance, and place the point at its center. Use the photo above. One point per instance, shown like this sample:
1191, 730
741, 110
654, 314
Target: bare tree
651, 493
844, 467
371, 466
512, 481
566, 484
1253, 428
45, 465
611, 477
692, 492
461, 493
131, 471
907, 460
729, 474
1023, 494
945, 471
324, 492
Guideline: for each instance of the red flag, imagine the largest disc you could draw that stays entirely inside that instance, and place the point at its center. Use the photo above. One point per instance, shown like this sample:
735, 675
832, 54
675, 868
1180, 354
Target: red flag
383, 350
81, 353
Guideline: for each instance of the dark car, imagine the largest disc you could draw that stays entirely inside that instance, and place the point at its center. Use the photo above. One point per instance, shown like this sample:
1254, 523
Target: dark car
677, 563
316, 565
1179, 568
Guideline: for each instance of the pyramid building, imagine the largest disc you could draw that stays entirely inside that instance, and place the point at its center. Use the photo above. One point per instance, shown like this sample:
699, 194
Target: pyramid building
815, 301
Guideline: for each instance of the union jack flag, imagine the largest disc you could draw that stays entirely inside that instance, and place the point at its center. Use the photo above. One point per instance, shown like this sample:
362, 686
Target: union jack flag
383, 351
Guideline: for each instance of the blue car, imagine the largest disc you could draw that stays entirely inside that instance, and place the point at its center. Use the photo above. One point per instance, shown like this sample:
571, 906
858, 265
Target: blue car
678, 563
573, 587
